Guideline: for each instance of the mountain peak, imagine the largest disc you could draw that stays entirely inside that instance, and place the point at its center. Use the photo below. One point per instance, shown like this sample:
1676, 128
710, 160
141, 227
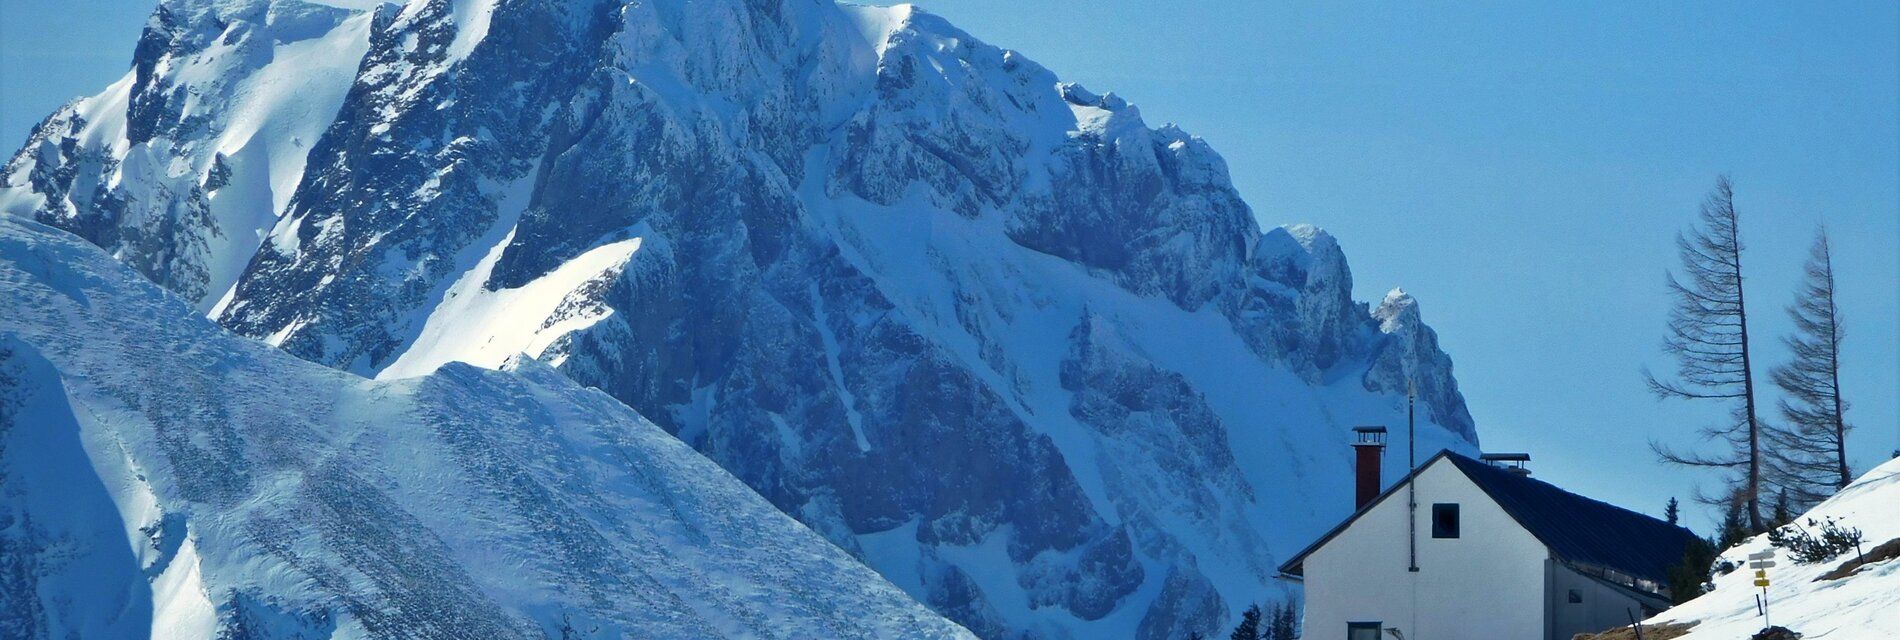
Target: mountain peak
1312, 238
1398, 311
989, 331
1076, 94
878, 24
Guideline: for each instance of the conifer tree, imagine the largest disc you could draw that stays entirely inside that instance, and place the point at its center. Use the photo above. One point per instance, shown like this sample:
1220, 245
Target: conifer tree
1809, 456
1673, 511
1687, 576
1734, 530
1708, 337
1782, 514
1283, 624
1249, 627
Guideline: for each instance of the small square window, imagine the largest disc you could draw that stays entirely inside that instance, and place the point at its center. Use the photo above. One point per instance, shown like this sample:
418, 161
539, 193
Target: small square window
1445, 520
1362, 630
1576, 597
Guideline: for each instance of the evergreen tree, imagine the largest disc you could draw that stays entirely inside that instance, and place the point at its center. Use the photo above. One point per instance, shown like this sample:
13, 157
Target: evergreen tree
1708, 337
1283, 624
1673, 511
1782, 516
1734, 529
1809, 457
1249, 627
1686, 578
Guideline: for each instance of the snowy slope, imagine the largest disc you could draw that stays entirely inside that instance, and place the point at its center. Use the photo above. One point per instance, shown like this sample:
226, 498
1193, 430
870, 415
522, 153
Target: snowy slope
1861, 606
160, 477
190, 159
1028, 356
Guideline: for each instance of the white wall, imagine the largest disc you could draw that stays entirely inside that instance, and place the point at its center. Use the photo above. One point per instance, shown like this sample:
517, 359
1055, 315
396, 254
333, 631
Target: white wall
1604, 607
1488, 583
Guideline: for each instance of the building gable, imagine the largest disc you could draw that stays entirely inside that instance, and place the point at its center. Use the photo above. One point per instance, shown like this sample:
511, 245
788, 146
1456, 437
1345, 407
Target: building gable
1576, 529
1480, 574
1292, 566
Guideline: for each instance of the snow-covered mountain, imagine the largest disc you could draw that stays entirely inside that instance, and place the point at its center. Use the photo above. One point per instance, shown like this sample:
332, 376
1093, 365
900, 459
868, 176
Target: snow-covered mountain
1027, 356
1815, 600
160, 477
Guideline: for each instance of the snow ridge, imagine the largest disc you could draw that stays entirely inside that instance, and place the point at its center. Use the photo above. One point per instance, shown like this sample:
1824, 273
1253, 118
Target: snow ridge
165, 478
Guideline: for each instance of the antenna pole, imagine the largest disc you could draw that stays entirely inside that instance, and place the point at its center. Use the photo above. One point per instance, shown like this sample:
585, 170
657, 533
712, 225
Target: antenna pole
1411, 486
1411, 420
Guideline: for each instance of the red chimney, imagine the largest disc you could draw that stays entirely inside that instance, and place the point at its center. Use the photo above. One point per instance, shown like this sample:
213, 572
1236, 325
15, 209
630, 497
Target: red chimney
1370, 451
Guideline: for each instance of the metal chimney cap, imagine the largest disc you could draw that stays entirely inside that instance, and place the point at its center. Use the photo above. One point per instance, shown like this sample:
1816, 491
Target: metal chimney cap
1368, 436
1505, 457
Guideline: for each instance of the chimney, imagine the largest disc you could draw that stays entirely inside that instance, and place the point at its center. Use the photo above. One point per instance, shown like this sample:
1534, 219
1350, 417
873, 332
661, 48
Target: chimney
1369, 449
1511, 462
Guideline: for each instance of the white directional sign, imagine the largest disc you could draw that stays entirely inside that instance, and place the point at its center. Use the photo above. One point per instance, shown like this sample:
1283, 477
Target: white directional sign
1761, 564
1761, 555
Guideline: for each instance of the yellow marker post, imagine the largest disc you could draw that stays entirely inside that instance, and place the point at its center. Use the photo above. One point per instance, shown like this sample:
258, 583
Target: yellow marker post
1760, 561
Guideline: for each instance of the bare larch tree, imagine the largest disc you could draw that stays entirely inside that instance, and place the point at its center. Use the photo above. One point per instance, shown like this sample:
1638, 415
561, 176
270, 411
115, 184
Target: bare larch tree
1808, 458
1708, 337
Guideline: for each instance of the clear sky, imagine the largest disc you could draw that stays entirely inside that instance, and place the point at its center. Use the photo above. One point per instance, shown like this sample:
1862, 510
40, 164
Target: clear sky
1522, 168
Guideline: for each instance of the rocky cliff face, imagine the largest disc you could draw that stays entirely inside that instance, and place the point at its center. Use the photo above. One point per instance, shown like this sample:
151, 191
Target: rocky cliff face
1028, 357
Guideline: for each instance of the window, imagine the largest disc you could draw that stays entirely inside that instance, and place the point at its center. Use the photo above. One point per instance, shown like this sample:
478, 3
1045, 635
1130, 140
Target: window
1362, 631
1576, 597
1445, 520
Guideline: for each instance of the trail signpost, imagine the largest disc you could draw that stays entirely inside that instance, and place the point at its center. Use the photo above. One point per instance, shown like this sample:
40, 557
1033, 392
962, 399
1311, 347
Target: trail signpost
1760, 561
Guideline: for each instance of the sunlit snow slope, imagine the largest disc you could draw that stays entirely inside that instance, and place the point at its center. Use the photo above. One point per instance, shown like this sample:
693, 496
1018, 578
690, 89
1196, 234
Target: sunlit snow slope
160, 477
1862, 606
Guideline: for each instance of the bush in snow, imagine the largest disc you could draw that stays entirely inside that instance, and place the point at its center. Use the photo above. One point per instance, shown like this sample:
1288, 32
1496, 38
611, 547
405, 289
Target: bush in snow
1807, 548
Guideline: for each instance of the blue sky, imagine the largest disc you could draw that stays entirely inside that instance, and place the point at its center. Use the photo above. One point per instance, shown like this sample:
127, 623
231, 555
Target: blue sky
1521, 168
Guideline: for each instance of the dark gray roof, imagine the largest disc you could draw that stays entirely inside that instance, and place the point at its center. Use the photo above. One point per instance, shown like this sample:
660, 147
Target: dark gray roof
1580, 530
1576, 529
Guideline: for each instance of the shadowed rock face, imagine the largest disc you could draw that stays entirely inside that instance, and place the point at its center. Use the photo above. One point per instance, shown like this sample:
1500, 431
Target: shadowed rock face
1025, 355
